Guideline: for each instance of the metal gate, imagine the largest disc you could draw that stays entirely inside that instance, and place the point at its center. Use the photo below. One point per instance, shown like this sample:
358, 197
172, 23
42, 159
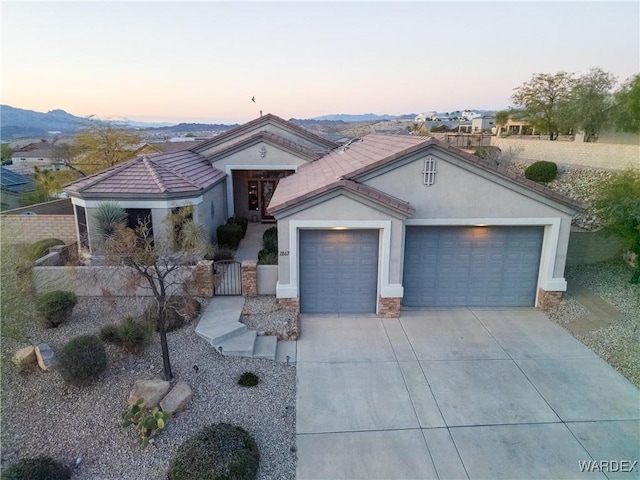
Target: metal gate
228, 278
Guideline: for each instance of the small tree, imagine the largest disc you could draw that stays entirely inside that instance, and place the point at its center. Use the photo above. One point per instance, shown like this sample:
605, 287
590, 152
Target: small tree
108, 215
618, 205
157, 266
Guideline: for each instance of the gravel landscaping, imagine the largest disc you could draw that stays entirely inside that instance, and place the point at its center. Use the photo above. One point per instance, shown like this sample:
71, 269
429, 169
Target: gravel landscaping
618, 344
43, 416
263, 314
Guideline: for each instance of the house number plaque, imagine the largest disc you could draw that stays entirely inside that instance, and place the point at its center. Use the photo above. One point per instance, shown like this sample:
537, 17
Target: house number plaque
284, 253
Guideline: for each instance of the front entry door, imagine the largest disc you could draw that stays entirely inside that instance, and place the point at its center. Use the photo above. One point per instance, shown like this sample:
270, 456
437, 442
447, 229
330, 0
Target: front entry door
267, 187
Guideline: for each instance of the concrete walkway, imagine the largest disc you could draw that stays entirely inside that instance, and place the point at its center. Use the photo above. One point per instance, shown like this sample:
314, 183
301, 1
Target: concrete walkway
601, 313
251, 244
459, 393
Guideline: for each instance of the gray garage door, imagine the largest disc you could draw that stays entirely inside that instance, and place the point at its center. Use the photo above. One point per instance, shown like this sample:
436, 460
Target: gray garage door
471, 266
338, 271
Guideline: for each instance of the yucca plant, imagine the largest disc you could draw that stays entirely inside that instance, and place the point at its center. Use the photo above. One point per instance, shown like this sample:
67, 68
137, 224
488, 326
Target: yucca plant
108, 216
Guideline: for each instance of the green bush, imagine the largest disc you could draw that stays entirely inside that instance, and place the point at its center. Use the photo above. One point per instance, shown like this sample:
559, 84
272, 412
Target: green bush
229, 235
248, 379
242, 221
82, 360
270, 239
41, 248
56, 307
218, 452
180, 311
542, 172
40, 468
267, 257
217, 253
132, 335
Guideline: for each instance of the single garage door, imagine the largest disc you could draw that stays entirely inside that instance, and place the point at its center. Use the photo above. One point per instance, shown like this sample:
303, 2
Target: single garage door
471, 266
338, 271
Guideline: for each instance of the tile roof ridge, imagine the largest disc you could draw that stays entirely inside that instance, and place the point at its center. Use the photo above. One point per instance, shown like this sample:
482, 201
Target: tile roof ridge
151, 166
161, 166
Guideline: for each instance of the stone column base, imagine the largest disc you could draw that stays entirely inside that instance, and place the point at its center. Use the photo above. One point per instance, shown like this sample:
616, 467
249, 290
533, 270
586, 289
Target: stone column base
389, 307
291, 304
548, 300
250, 278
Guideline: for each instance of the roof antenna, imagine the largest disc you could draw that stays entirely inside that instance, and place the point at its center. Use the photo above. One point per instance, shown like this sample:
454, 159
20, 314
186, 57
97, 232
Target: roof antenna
261, 113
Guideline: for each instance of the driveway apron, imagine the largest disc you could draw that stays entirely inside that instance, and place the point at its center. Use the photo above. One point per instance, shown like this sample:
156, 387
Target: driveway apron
459, 393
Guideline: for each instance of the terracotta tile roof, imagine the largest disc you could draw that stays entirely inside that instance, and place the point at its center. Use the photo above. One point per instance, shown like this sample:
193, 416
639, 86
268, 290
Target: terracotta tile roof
351, 161
163, 174
268, 137
269, 117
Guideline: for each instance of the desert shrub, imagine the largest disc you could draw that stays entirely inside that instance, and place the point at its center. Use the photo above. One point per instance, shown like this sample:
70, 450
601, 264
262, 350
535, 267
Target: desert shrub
180, 311
217, 452
56, 307
108, 216
267, 257
542, 172
229, 235
217, 253
82, 360
270, 239
248, 379
242, 221
488, 152
132, 335
147, 422
41, 248
39, 468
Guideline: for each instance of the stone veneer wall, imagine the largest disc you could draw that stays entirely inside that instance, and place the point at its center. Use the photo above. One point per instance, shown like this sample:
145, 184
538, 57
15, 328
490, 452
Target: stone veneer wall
389, 307
599, 155
548, 300
250, 278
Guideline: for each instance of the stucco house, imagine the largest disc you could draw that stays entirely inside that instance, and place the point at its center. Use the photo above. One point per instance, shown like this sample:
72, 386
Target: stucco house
234, 173
394, 221
371, 226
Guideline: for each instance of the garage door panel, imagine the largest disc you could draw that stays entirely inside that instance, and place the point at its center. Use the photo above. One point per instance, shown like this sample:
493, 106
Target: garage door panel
470, 266
345, 279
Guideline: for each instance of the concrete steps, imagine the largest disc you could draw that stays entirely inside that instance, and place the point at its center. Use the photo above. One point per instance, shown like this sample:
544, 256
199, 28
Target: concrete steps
220, 327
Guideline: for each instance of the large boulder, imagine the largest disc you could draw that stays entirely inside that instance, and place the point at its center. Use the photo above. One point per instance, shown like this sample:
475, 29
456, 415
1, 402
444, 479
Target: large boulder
177, 398
152, 391
25, 356
46, 357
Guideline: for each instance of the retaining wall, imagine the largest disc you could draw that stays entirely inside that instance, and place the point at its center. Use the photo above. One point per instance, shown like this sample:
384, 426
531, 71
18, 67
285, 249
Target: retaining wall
267, 279
600, 155
31, 228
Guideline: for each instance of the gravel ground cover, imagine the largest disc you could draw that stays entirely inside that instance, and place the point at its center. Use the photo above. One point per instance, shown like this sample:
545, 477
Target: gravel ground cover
617, 344
43, 416
263, 314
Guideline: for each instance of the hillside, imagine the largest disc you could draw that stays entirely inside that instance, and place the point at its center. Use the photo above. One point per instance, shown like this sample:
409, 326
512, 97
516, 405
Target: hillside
19, 123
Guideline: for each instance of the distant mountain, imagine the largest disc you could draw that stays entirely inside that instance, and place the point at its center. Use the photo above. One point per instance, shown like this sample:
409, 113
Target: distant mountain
193, 127
17, 122
365, 117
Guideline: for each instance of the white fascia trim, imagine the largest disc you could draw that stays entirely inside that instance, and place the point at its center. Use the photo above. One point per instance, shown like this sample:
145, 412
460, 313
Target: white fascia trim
166, 204
384, 252
551, 225
229, 171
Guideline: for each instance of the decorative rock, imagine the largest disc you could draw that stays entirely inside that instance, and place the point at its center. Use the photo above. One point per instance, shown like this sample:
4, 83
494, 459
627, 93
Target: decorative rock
24, 356
46, 357
152, 391
177, 398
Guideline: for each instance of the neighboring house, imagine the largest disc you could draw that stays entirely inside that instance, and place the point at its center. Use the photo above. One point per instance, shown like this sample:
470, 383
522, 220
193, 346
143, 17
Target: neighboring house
517, 127
37, 154
483, 124
13, 187
234, 173
411, 221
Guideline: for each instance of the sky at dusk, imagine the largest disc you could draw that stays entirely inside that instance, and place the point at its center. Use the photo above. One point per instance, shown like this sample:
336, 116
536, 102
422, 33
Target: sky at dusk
204, 61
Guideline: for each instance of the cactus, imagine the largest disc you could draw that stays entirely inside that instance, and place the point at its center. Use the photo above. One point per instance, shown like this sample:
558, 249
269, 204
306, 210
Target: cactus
147, 422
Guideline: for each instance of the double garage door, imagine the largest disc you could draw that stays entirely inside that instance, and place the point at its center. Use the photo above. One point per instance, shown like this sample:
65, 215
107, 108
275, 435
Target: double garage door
443, 267
471, 266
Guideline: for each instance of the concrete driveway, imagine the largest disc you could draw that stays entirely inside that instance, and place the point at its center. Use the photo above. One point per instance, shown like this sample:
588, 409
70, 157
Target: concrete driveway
459, 393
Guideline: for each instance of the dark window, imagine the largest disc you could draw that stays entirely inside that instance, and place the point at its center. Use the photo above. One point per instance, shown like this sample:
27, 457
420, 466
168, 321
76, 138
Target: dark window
81, 219
140, 216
